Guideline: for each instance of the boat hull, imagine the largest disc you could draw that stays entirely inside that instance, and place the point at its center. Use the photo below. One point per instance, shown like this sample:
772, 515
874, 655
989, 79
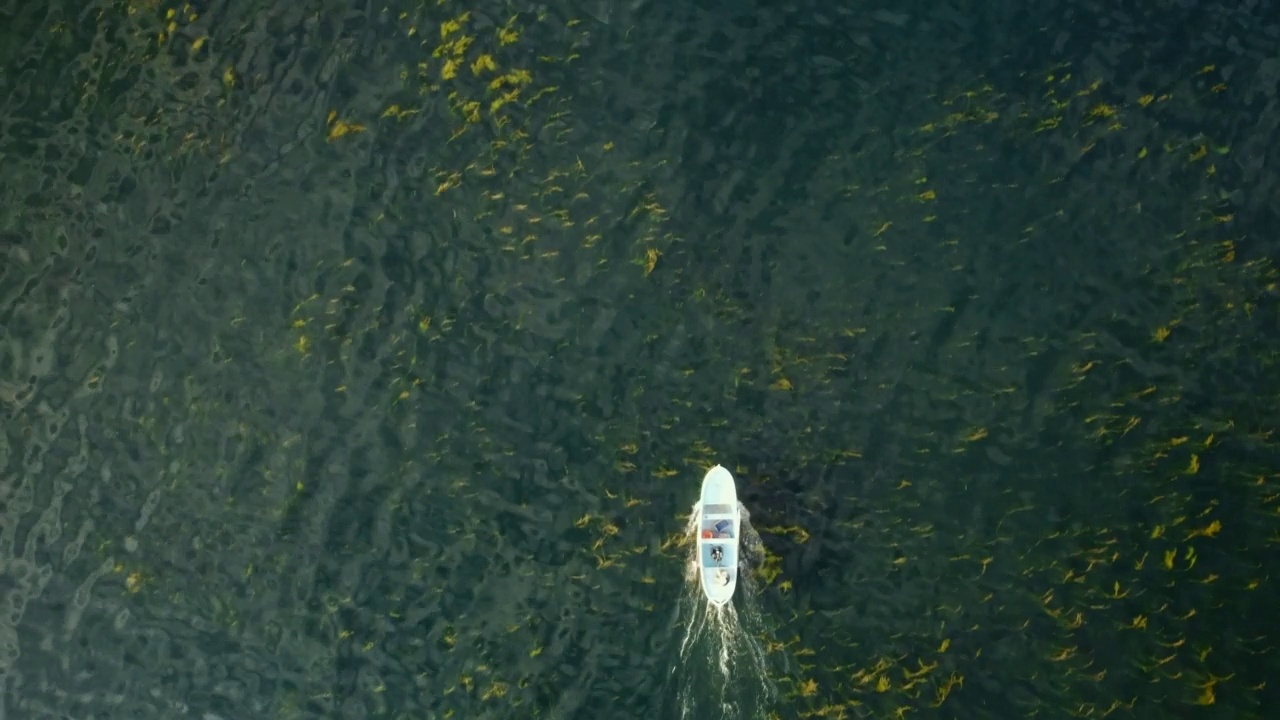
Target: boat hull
719, 531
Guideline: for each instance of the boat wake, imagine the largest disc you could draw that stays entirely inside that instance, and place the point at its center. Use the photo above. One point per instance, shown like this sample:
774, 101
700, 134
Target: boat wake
723, 663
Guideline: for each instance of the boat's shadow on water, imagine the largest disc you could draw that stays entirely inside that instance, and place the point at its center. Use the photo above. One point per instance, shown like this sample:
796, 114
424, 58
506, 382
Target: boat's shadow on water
722, 670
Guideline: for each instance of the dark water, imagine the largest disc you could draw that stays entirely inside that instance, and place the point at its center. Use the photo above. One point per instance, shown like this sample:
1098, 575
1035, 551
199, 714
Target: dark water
356, 363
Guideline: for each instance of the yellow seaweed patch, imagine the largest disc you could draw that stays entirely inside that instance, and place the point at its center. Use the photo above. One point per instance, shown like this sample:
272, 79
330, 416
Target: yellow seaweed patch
449, 27
482, 64
508, 34
450, 69
450, 182
397, 112
1210, 530
340, 128
1102, 110
771, 568
796, 532
651, 260
1229, 251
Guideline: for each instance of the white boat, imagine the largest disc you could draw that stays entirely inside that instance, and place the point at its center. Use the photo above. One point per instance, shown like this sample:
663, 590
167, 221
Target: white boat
718, 530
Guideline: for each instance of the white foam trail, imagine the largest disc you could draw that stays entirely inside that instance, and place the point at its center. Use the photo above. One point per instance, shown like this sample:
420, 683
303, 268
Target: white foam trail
721, 653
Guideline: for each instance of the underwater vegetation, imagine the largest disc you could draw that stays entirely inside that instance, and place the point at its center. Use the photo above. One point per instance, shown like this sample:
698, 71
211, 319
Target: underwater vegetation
402, 365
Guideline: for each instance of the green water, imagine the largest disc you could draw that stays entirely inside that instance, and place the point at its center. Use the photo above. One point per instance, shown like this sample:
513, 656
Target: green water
364, 360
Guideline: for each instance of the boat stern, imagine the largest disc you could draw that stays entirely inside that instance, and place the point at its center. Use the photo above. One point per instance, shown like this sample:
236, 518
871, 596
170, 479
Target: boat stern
718, 584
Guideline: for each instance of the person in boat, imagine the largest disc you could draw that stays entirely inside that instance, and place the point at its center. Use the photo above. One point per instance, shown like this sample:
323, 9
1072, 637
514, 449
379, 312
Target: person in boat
723, 576
717, 553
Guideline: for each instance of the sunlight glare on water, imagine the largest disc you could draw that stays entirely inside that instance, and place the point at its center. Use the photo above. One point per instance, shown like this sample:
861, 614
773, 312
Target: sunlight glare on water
722, 654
